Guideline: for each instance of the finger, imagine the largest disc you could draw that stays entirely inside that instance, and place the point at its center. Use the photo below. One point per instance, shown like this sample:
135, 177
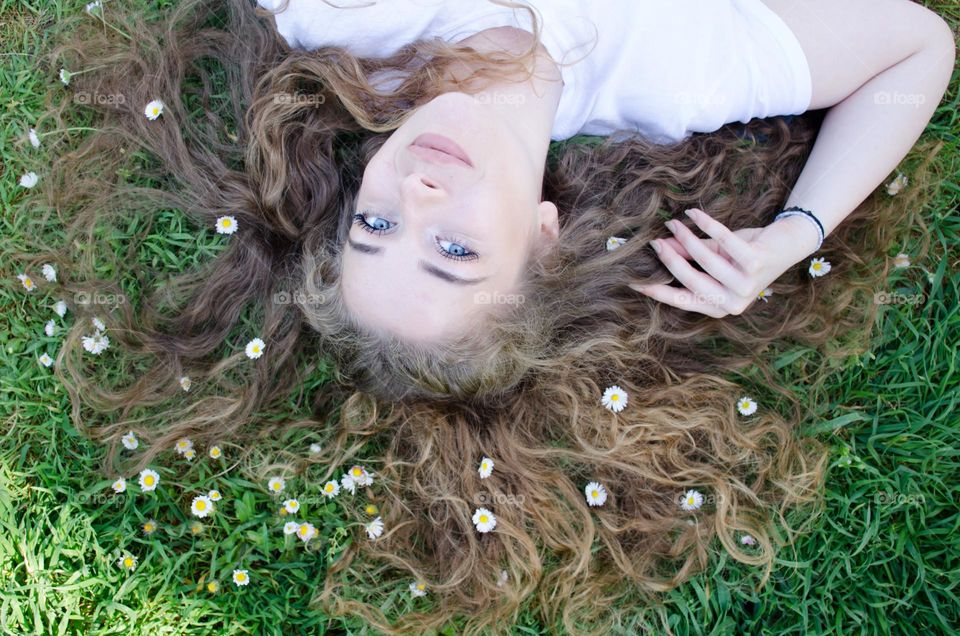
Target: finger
679, 298
714, 264
736, 247
677, 247
695, 281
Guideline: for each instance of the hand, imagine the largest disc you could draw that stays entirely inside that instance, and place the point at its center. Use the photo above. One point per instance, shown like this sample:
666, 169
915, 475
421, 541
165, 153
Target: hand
738, 264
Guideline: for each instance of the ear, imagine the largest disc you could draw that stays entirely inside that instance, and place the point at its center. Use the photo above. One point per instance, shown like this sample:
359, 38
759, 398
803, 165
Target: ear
548, 222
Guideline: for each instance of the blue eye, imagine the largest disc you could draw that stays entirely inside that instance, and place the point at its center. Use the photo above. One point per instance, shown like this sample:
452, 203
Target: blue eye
455, 251
378, 226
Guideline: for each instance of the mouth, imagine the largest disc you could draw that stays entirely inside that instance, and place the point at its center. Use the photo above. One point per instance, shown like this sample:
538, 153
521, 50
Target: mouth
439, 149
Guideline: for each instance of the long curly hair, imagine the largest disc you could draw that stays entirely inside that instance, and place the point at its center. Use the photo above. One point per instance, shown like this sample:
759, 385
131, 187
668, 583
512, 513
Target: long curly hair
278, 138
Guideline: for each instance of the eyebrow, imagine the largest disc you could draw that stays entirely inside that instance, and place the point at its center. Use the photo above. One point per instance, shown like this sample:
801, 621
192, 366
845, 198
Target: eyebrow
363, 248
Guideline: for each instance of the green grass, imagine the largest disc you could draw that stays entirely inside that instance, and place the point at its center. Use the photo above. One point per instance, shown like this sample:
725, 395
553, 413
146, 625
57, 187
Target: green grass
883, 558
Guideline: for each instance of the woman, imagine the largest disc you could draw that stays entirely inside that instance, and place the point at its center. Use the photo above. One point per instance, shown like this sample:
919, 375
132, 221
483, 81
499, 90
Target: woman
330, 164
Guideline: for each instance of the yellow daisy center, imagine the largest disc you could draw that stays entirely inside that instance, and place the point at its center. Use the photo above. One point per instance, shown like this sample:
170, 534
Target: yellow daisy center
212, 586
357, 472
241, 577
28, 281
690, 501
328, 487
148, 527
614, 397
201, 505
421, 586
155, 110
256, 348
816, 266
483, 518
128, 562
148, 480
371, 510
215, 452
594, 493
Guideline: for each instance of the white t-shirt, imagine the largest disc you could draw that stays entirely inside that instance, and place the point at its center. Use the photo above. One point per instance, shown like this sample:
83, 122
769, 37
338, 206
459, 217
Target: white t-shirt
663, 68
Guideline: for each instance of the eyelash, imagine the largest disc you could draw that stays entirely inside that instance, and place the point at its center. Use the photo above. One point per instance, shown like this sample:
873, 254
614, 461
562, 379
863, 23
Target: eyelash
359, 219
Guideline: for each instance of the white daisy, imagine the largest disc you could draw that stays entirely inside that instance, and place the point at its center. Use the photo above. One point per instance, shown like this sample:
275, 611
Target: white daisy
60, 307
120, 485
148, 480
306, 531
226, 225
484, 520
201, 506
214, 495
374, 528
504, 577
747, 540
331, 489
93, 6
34, 138
347, 483
29, 179
290, 527
185, 383
418, 589
276, 485
215, 452
49, 272
486, 467
746, 406
615, 399
360, 475
901, 260
182, 445
291, 506
98, 324
27, 282
127, 562
45, 360
692, 500
255, 348
189, 454
130, 441
96, 344
596, 493
315, 448
765, 294
899, 183
50, 327
153, 110
615, 242
819, 267
65, 76
241, 577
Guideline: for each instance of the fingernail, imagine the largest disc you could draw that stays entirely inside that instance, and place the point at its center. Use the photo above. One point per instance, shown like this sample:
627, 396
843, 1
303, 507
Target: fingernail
656, 246
669, 225
689, 213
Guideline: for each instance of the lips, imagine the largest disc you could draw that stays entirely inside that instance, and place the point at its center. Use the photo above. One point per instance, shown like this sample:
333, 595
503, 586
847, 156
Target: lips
439, 149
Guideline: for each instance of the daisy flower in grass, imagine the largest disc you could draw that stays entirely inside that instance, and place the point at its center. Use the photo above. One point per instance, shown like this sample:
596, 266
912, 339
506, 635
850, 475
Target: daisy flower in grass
215, 452
692, 500
899, 183
374, 528
182, 445
276, 485
201, 506
120, 485
94, 6
213, 587
254, 348
50, 327
196, 528
148, 480
65, 76
226, 225
95, 344
27, 282
819, 267
189, 454
149, 527
292, 506
484, 520
290, 527
596, 493
29, 179
348, 484
34, 139
360, 475
486, 467
746, 406
418, 589
214, 495
315, 448
49, 272
614, 398
98, 324
901, 260
60, 307
765, 295
504, 577
127, 562
371, 509
747, 540
130, 441
241, 577
306, 531
615, 242
185, 383
153, 109
45, 360
331, 489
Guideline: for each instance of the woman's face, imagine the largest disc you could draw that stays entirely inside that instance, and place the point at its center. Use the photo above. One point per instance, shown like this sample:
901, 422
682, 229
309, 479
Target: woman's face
443, 227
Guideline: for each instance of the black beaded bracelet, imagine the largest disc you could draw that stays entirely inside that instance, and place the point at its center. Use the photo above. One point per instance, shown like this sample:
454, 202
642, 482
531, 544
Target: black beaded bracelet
798, 211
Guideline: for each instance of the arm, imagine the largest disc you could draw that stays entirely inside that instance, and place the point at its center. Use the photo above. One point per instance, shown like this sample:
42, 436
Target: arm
883, 67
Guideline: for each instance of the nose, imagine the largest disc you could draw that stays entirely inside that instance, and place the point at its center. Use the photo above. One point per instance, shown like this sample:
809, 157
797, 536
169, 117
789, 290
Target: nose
418, 187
